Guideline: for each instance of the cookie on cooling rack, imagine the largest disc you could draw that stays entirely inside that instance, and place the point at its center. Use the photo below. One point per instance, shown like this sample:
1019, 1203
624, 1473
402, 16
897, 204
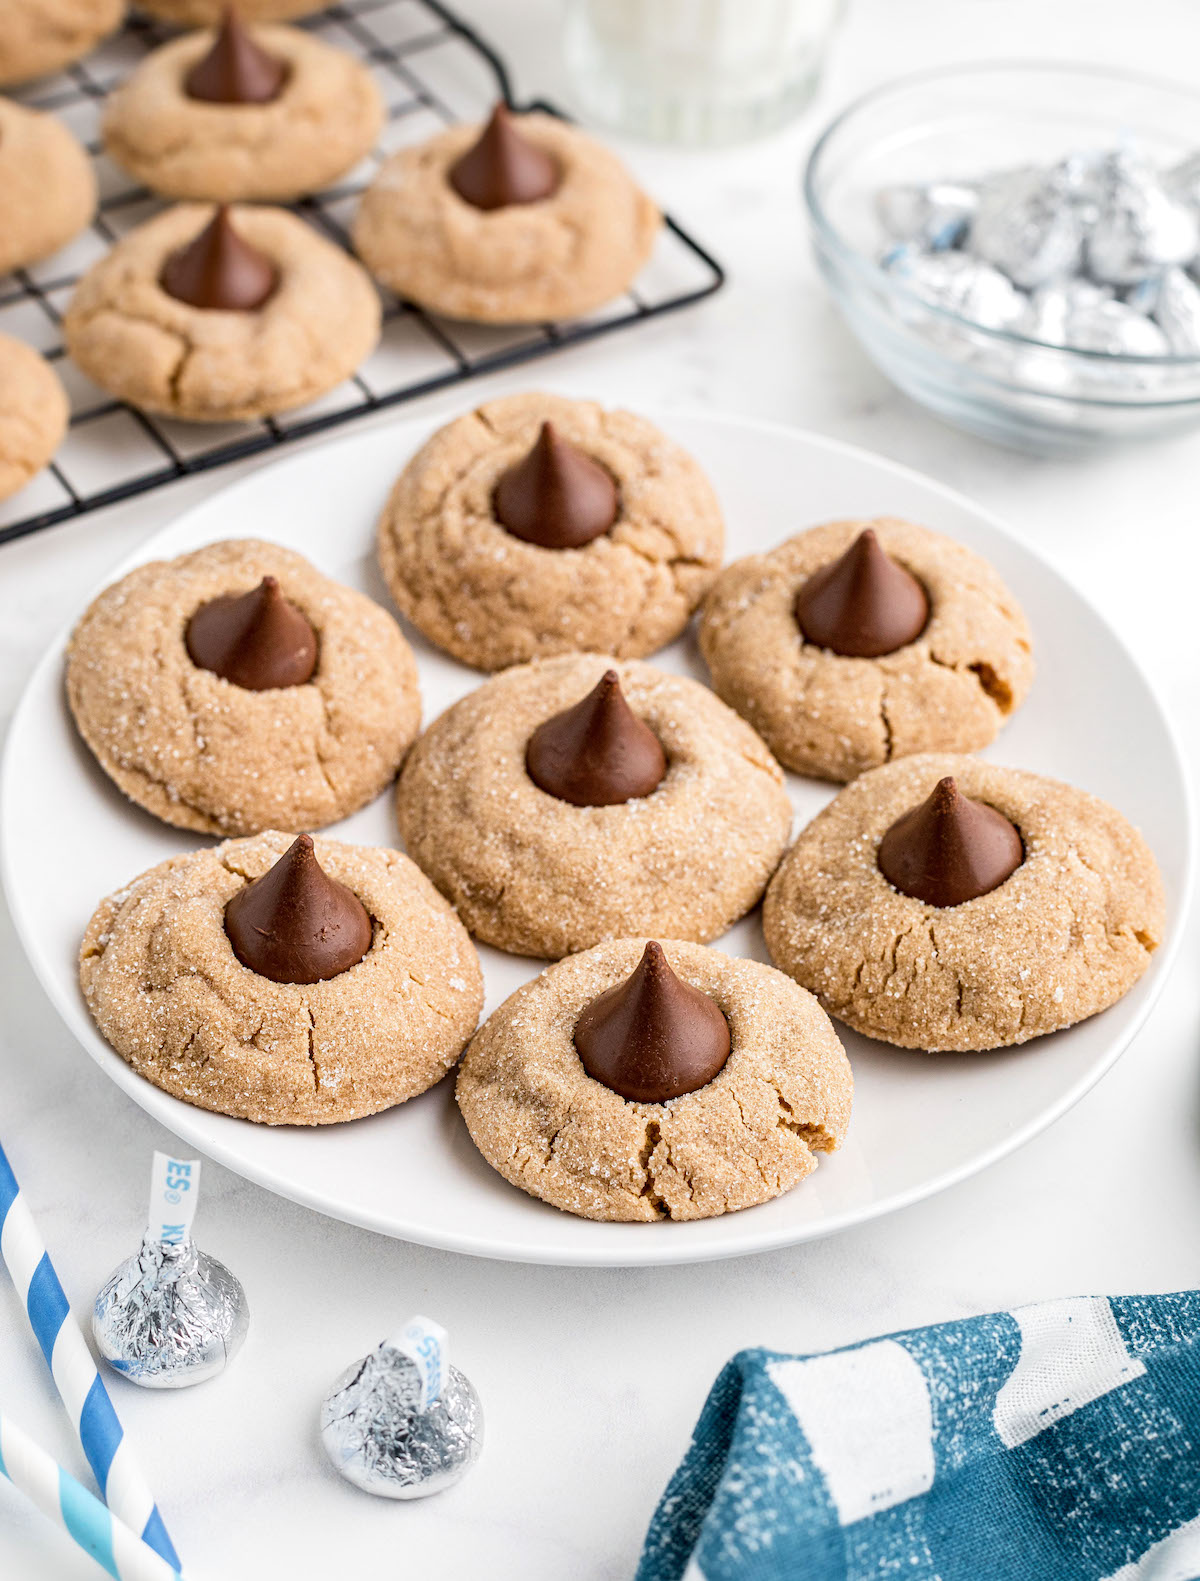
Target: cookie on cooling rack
539, 525
33, 414
520, 220
47, 188
292, 982
41, 36
944, 903
220, 316
642, 1081
862, 641
254, 114
581, 799
237, 689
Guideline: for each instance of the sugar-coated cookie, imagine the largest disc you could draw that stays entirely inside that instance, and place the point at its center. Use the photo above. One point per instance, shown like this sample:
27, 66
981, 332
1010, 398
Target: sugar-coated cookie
750, 1133
301, 331
205, 752
537, 874
33, 414
493, 598
41, 36
544, 257
47, 188
1063, 936
960, 665
170, 994
323, 117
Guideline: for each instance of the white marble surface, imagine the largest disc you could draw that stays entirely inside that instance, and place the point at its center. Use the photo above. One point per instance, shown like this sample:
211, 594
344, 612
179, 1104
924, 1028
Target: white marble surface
591, 1380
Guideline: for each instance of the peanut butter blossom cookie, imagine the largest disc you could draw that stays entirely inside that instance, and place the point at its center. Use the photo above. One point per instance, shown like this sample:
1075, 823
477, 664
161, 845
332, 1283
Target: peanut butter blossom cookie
41, 36
290, 982
538, 525
33, 414
520, 220
944, 903
207, 13
47, 189
243, 114
220, 316
641, 1081
858, 642
577, 799
237, 689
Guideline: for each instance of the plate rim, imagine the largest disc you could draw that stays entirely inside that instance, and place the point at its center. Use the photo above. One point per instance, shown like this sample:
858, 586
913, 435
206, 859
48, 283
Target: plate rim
152, 1100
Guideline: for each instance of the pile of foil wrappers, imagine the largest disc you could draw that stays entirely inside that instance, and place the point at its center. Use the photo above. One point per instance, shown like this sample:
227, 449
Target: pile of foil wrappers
1098, 253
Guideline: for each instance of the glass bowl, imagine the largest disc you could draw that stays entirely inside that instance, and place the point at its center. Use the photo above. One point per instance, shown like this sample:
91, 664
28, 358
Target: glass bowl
962, 123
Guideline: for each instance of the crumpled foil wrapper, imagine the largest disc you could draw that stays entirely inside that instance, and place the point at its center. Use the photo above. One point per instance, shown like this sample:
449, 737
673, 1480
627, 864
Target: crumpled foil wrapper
170, 1316
936, 216
378, 1438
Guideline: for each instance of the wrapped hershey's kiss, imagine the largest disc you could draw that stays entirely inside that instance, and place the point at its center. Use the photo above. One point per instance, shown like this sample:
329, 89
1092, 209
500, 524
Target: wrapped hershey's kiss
1027, 226
170, 1315
402, 1422
934, 214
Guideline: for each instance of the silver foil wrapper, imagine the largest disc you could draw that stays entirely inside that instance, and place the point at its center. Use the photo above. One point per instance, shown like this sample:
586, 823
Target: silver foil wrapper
1051, 308
1173, 300
935, 215
377, 1436
959, 283
1141, 228
1028, 225
1115, 329
170, 1316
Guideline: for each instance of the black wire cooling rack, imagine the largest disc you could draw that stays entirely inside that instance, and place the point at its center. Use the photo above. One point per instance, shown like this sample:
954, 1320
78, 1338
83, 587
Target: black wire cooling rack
433, 69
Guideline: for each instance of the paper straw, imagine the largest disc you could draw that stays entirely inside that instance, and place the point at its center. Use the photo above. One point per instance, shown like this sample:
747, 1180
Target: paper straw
80, 1513
74, 1372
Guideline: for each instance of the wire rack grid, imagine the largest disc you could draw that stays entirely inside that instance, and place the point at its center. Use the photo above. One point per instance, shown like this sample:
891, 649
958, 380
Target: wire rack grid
433, 70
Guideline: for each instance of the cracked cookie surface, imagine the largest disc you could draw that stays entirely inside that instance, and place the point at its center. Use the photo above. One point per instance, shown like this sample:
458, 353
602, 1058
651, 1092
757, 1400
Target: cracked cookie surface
1065, 936
538, 876
490, 598
206, 365
556, 258
830, 716
167, 992
323, 122
47, 188
40, 36
202, 753
33, 414
750, 1134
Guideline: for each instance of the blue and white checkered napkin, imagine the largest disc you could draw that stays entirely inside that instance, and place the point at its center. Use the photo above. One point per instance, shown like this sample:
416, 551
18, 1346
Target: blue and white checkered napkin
1059, 1442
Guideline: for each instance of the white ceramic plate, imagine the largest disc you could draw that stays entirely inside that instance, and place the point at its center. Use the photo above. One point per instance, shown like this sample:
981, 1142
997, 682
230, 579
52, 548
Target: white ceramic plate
921, 1122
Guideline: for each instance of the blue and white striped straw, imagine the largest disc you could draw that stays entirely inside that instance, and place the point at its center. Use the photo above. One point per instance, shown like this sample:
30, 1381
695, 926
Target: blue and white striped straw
74, 1372
80, 1513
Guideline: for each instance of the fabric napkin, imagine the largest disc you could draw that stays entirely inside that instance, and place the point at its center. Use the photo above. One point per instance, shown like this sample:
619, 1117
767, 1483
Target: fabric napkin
1057, 1442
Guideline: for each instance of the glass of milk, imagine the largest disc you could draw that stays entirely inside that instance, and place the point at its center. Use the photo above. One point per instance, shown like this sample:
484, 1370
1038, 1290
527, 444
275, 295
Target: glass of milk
696, 71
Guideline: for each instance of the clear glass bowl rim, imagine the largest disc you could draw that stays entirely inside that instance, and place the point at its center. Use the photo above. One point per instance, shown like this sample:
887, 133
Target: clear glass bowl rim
888, 284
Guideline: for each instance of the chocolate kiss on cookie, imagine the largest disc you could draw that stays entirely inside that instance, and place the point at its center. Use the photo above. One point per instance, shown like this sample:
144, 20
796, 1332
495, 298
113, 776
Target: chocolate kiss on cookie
219, 270
557, 496
949, 848
597, 753
236, 70
864, 604
258, 640
503, 167
295, 924
652, 1037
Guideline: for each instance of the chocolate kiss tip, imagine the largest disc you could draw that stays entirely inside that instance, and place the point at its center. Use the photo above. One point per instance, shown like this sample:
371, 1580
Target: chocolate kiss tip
236, 69
556, 496
949, 848
219, 270
652, 1037
597, 753
258, 640
503, 167
862, 605
295, 924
